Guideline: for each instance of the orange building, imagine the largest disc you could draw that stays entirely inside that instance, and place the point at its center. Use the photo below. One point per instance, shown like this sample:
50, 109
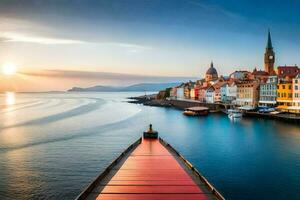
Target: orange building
284, 94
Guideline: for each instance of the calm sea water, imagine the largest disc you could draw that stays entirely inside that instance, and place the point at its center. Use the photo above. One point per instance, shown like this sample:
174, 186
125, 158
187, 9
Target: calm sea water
53, 144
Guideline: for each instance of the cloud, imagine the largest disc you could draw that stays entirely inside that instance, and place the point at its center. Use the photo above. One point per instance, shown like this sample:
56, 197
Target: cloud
19, 37
132, 48
90, 75
215, 10
15, 30
27, 38
128, 45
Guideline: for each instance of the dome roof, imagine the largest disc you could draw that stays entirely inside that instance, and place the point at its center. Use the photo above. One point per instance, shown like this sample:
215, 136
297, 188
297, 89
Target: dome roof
211, 70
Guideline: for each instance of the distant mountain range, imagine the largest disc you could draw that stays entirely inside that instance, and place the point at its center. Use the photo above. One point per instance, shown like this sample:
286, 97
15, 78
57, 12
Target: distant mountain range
131, 88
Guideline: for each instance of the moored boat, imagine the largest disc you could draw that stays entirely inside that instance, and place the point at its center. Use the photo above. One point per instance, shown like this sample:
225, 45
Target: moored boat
232, 113
189, 113
196, 111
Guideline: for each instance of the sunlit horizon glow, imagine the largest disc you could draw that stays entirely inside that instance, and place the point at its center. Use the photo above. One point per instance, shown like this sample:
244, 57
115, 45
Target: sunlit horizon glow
62, 80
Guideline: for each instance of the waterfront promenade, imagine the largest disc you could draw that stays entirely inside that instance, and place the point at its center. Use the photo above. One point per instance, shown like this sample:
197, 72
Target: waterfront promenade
214, 107
150, 100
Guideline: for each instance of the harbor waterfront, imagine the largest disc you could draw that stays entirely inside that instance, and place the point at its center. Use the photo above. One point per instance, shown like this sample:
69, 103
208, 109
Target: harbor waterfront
55, 153
149, 100
272, 90
182, 104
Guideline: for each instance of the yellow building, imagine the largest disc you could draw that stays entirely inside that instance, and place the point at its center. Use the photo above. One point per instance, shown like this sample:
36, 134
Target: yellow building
284, 94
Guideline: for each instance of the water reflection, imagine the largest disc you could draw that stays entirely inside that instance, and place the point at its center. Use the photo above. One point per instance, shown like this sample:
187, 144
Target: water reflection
18, 173
235, 119
10, 98
48, 161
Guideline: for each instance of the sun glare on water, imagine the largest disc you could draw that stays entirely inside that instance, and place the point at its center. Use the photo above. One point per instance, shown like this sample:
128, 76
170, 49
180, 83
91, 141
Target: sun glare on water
9, 69
10, 98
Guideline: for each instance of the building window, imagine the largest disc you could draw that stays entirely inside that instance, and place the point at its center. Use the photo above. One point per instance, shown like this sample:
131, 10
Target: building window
283, 87
296, 87
290, 87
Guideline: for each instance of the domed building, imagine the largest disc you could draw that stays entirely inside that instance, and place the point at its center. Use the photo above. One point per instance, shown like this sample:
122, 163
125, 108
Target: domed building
211, 73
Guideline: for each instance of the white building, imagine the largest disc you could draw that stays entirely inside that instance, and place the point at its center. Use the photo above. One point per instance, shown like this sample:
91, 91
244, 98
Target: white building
296, 93
231, 92
210, 95
223, 90
180, 93
268, 92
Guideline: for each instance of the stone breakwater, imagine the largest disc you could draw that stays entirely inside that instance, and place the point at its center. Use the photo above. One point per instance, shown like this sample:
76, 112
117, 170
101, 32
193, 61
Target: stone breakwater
183, 104
178, 104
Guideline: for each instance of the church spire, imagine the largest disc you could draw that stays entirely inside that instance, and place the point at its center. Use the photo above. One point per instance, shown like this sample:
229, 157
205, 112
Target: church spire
269, 44
269, 55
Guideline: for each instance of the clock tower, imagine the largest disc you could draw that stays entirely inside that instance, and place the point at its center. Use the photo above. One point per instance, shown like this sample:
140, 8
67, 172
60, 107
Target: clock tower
269, 56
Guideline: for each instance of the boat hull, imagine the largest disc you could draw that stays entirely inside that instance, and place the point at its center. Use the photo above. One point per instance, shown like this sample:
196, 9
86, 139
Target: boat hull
150, 169
191, 113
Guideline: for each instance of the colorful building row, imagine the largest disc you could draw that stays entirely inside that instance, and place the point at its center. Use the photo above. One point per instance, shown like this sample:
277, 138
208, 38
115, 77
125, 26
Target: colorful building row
270, 88
243, 88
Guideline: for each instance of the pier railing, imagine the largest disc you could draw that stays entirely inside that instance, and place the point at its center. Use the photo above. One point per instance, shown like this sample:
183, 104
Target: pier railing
92, 185
195, 171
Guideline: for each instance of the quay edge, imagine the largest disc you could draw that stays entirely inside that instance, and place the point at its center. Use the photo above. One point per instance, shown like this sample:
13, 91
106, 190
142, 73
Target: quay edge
183, 104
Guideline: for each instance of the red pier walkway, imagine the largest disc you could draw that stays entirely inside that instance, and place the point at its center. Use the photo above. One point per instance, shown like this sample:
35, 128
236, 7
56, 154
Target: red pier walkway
150, 169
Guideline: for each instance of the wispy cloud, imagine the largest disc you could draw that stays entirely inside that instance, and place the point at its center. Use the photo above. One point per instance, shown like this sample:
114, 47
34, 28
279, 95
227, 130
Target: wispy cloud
128, 45
132, 48
27, 38
214, 9
105, 75
15, 30
19, 37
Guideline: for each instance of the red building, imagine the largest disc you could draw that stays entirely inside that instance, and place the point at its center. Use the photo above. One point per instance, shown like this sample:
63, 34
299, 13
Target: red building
288, 71
196, 90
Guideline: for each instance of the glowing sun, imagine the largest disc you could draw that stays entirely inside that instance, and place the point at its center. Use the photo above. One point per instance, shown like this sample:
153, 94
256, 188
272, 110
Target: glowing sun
9, 69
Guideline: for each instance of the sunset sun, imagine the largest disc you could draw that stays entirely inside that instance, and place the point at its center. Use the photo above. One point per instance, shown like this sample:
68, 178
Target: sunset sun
9, 69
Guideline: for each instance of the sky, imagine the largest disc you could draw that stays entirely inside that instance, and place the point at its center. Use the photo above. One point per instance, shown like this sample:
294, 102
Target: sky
57, 44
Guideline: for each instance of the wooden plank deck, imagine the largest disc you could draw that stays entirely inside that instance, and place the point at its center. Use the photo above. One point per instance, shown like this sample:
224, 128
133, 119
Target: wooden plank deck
150, 170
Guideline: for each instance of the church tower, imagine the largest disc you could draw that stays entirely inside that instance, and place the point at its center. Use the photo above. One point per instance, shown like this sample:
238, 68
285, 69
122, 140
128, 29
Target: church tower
211, 73
269, 56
